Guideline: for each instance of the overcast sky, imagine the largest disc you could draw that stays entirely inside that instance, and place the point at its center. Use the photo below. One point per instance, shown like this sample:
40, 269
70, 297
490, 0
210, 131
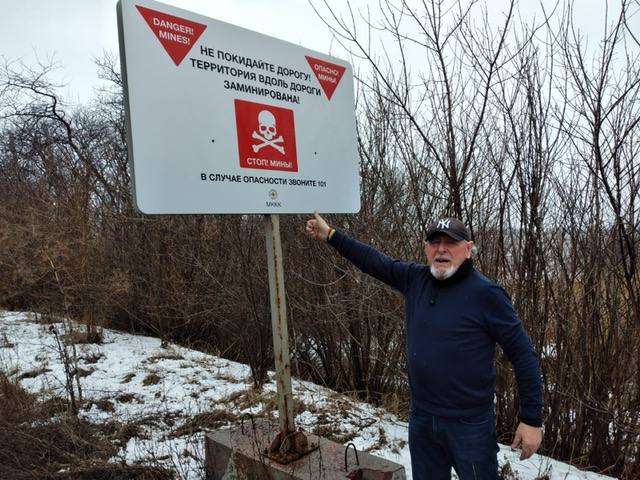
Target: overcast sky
75, 32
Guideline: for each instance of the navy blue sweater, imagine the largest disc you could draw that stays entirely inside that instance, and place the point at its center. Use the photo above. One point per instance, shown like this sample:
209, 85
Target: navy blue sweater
453, 326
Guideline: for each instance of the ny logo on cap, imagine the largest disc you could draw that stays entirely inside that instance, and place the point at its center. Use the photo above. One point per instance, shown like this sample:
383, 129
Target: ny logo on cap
444, 223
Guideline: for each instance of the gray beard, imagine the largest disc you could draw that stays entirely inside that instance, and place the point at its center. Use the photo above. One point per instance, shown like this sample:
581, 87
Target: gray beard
440, 274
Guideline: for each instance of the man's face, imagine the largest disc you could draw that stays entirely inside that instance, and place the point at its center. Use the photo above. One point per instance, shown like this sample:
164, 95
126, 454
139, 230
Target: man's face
445, 255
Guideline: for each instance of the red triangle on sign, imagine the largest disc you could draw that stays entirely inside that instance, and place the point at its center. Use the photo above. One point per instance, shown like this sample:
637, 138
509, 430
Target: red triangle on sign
177, 35
328, 74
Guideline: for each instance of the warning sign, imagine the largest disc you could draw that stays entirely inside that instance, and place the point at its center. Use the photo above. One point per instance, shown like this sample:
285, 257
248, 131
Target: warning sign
266, 136
221, 119
328, 74
177, 35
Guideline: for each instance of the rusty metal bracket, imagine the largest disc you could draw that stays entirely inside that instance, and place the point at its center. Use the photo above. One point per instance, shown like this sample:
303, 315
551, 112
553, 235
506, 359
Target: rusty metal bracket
243, 418
289, 447
346, 450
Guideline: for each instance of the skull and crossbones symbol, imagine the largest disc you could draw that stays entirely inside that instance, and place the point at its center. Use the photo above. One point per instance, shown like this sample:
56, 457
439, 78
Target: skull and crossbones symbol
267, 131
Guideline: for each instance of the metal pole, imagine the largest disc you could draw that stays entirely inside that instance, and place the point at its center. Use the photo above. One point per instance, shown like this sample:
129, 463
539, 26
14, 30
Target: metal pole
279, 323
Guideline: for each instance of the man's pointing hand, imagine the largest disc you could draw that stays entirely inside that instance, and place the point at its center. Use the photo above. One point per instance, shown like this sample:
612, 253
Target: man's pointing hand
317, 227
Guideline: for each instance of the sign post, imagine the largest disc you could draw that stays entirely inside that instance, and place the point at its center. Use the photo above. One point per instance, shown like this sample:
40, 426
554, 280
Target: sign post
223, 120
279, 323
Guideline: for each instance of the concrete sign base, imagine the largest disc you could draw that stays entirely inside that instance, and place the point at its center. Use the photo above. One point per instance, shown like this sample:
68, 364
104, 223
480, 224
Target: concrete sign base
239, 454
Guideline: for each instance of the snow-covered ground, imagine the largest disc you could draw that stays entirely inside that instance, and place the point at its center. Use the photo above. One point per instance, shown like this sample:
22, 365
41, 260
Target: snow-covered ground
170, 393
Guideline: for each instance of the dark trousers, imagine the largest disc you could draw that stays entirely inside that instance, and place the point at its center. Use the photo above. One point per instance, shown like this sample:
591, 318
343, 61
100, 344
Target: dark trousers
469, 445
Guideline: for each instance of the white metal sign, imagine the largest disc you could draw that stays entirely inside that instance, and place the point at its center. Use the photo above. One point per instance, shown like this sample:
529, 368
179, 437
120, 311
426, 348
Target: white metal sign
226, 120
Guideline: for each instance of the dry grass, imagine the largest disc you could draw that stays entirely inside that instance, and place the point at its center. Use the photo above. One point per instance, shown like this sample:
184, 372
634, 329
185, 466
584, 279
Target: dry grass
165, 356
93, 357
204, 421
396, 404
33, 373
127, 398
121, 433
39, 440
244, 399
82, 372
4, 342
151, 379
83, 337
103, 404
108, 471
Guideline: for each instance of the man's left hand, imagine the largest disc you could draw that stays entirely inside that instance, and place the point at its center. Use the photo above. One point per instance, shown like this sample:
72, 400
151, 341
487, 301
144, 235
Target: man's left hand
528, 438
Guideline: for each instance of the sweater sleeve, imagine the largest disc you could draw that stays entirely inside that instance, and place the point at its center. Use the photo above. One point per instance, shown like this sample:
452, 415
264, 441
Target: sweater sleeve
506, 328
372, 262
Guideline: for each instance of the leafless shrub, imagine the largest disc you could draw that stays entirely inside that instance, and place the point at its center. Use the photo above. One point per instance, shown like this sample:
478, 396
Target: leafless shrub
36, 441
516, 128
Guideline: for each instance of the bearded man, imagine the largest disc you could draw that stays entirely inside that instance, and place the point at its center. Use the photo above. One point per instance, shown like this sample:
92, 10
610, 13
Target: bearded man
455, 316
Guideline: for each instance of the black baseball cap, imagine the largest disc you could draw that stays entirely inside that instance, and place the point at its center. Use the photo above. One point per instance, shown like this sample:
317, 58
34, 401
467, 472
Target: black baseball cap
451, 227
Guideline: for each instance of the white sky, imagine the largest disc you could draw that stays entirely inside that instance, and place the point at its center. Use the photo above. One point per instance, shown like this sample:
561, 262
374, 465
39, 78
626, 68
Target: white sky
78, 31
75, 32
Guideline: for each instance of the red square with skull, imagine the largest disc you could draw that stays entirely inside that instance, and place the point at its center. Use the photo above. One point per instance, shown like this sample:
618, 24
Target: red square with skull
266, 136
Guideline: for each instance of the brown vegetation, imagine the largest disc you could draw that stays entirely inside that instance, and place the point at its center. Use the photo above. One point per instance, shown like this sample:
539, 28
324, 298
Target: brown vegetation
39, 440
524, 135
